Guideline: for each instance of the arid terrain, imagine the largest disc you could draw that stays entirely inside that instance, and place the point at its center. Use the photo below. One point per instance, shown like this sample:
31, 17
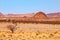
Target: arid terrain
39, 26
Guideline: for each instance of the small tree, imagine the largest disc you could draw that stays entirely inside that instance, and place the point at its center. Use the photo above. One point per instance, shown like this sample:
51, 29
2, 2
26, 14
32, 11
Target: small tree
12, 28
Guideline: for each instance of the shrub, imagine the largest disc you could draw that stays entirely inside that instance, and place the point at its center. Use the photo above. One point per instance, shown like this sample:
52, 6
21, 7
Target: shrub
11, 27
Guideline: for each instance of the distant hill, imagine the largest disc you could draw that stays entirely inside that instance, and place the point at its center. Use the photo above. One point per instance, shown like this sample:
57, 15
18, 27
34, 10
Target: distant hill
38, 14
57, 14
19, 15
35, 15
1, 15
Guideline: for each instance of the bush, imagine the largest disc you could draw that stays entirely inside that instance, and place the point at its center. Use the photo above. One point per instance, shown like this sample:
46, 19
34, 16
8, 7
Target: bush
11, 27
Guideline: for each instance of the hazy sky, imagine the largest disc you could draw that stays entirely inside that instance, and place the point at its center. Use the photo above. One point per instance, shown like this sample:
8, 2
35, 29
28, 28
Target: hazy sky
29, 6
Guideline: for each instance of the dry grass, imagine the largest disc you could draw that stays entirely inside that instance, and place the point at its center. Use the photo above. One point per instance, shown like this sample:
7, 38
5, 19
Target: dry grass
29, 36
30, 32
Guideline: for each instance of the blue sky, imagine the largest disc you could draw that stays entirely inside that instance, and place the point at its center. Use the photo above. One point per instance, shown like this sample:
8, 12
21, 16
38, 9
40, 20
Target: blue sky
29, 6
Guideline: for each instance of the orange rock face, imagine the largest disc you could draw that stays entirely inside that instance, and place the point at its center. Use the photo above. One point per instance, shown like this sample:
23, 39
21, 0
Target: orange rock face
40, 15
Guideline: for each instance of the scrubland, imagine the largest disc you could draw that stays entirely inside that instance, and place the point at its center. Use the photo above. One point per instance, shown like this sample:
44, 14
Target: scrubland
28, 31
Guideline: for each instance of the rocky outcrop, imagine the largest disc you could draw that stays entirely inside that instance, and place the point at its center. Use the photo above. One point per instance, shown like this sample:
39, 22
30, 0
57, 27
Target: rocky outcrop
40, 15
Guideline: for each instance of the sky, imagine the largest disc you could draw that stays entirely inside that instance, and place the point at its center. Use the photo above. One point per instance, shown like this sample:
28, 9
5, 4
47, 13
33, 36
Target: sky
29, 6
